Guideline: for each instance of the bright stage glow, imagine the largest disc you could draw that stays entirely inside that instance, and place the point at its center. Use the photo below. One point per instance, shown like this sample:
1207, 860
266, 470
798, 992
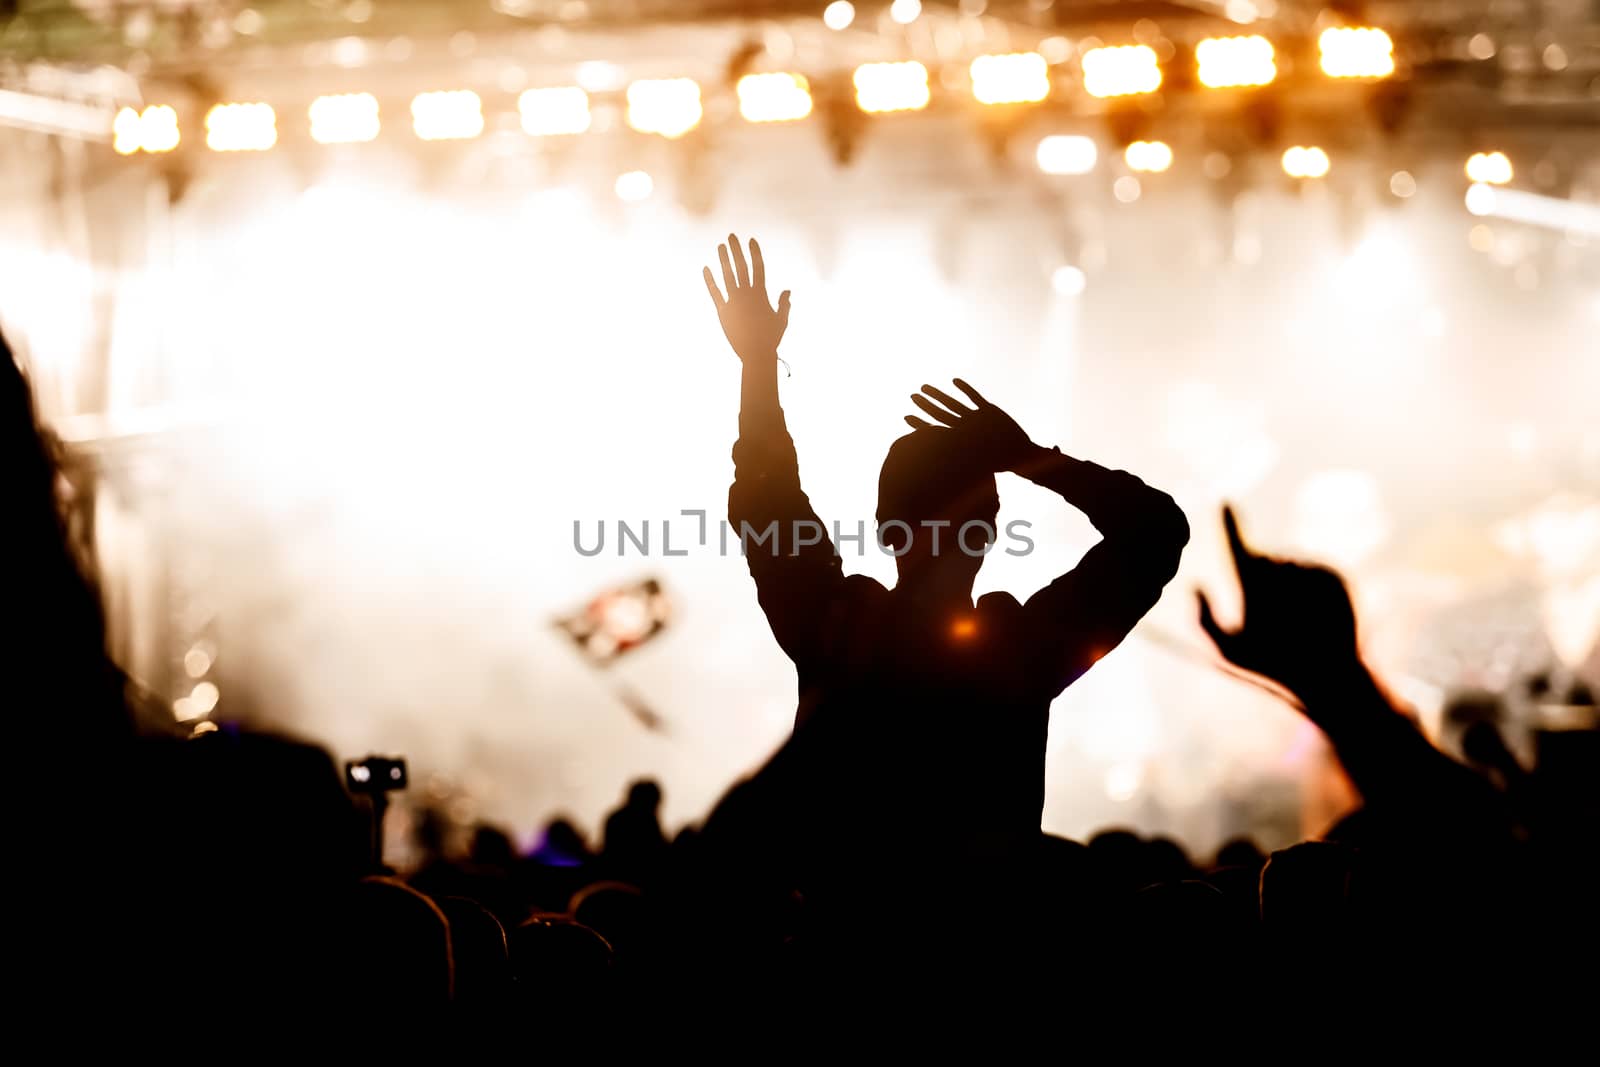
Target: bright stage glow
1234, 61
155, 129
1067, 154
774, 97
450, 115
905, 12
1127, 189
1151, 157
1121, 71
1068, 280
348, 118
554, 112
1551, 212
249, 127
1402, 184
1491, 168
1339, 517
1014, 78
1306, 162
839, 14
634, 186
891, 86
669, 107
1356, 52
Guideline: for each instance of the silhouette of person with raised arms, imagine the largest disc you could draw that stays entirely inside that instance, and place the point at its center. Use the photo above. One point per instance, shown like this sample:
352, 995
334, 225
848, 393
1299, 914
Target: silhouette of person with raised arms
922, 715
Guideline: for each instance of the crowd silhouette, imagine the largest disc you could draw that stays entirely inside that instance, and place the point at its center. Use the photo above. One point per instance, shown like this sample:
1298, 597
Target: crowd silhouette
892, 843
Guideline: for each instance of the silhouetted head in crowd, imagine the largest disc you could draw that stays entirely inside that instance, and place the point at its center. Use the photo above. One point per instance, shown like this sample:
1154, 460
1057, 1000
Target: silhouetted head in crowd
395, 946
477, 949
492, 847
1240, 852
552, 957
927, 479
1305, 890
561, 846
644, 795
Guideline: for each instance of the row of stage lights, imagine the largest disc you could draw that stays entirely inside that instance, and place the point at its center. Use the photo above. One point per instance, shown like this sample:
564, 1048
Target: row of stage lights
671, 107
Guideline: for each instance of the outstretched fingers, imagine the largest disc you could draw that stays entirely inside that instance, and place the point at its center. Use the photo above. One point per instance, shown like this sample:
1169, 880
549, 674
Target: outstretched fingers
728, 282
758, 268
918, 424
972, 394
1243, 558
739, 265
933, 409
711, 287
947, 400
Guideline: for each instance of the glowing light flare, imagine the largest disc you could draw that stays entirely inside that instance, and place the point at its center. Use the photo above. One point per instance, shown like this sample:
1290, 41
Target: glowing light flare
774, 97
447, 115
1067, 154
554, 112
1068, 281
839, 15
1490, 168
891, 86
1356, 52
251, 127
1151, 157
155, 129
1303, 161
905, 12
1012, 78
1125, 70
668, 107
348, 118
634, 186
1225, 62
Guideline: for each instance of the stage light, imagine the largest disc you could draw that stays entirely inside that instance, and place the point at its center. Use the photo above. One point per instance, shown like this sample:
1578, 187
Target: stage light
1303, 162
1068, 280
1015, 78
1152, 157
905, 12
1356, 52
891, 86
203, 698
241, 128
1234, 61
555, 111
1121, 71
774, 97
1127, 189
196, 662
669, 107
1067, 154
155, 129
1480, 199
634, 186
839, 14
1491, 168
1402, 184
349, 118
450, 115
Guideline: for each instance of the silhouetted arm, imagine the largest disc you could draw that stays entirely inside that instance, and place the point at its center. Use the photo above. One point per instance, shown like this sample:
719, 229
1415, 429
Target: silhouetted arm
1299, 630
793, 561
1092, 607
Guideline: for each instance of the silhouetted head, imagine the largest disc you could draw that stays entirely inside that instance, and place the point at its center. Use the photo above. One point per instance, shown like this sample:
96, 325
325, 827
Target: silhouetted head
927, 480
645, 795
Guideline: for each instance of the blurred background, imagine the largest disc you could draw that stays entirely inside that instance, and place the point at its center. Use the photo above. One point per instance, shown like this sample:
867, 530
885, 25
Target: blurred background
350, 311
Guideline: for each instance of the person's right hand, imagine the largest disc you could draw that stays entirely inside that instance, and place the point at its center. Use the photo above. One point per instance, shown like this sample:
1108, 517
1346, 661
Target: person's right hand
982, 429
752, 325
1299, 627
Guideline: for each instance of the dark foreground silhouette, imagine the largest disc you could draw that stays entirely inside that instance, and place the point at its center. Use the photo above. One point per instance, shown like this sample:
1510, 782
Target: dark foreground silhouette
885, 868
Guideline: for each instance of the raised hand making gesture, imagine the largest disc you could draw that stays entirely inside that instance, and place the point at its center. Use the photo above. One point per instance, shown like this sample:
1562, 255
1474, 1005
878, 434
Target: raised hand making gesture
1298, 626
752, 325
983, 430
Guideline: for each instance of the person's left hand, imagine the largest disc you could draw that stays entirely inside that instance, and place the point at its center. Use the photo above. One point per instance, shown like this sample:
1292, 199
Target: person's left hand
984, 429
752, 325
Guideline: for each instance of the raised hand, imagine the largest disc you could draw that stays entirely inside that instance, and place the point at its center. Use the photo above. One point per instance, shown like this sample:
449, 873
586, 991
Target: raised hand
983, 429
752, 325
1299, 627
